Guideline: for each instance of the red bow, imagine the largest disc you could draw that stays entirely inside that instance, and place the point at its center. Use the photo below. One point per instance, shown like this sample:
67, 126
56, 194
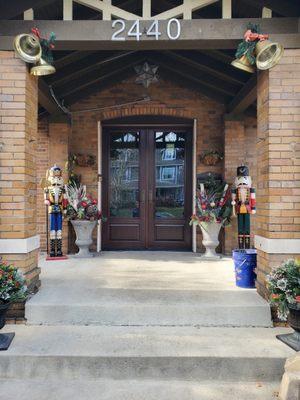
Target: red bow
250, 36
36, 32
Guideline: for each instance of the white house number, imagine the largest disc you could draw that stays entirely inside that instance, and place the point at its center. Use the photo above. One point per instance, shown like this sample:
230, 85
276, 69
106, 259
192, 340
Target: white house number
173, 30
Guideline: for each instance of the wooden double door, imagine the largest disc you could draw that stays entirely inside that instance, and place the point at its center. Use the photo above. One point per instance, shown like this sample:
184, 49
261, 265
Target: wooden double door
147, 187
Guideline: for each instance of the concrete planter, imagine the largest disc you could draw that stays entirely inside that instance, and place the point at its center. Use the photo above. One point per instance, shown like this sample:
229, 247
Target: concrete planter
5, 338
83, 230
3, 309
293, 339
210, 238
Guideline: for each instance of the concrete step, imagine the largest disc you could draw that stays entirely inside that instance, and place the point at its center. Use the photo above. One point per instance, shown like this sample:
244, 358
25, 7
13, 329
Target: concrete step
135, 390
160, 353
144, 307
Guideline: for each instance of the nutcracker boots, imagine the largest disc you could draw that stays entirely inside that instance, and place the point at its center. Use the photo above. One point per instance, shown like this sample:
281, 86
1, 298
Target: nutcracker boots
52, 247
241, 239
247, 241
59, 247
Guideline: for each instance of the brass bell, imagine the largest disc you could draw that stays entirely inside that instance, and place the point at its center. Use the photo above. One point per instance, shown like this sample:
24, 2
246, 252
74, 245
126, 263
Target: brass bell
267, 54
42, 68
243, 63
28, 47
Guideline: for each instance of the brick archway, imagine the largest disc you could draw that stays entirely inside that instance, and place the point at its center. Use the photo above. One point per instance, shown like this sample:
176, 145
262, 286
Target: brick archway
139, 110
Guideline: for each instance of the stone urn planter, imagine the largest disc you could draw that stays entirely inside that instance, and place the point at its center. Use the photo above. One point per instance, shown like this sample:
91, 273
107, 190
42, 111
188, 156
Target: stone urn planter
83, 230
292, 339
210, 238
5, 338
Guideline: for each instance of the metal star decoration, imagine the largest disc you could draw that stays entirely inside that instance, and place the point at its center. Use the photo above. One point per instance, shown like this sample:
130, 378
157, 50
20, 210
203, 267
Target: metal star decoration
147, 74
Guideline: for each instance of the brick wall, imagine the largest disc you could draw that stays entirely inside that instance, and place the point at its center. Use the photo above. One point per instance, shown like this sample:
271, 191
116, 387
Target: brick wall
18, 135
239, 149
278, 149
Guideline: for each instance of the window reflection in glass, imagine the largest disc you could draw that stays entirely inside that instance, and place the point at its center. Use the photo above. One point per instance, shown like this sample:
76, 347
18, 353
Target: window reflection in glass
169, 170
124, 175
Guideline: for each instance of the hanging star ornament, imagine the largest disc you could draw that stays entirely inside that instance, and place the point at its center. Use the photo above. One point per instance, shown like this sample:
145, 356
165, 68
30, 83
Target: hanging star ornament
147, 74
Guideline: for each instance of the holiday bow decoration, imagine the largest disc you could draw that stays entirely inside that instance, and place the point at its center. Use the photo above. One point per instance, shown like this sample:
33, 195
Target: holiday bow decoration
247, 46
46, 44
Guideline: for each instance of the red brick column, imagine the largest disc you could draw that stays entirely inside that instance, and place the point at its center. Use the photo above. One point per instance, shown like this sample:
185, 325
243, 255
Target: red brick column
278, 149
19, 241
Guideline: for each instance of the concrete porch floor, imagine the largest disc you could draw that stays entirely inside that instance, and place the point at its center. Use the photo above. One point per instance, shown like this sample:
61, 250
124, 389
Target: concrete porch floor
144, 288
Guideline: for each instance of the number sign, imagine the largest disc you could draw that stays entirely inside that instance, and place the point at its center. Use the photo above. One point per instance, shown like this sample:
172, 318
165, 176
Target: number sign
173, 30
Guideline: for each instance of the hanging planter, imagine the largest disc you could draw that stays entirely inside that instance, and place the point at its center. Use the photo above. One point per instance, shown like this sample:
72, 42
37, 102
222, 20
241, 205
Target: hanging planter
211, 157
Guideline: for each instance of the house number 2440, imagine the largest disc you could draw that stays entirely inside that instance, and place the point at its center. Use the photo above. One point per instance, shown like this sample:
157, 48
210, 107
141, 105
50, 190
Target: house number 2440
173, 30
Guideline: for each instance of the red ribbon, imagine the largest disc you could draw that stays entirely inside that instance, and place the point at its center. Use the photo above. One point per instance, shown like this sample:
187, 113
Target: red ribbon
36, 32
250, 36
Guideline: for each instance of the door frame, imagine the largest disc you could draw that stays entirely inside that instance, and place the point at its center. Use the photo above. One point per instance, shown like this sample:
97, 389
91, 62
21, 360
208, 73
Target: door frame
118, 122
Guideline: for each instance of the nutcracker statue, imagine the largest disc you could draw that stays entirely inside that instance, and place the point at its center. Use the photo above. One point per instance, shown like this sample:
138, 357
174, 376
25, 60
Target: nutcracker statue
243, 202
55, 199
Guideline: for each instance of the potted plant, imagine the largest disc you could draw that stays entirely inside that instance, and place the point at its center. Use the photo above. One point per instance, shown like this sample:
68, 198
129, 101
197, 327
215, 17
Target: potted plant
83, 213
12, 289
284, 287
213, 210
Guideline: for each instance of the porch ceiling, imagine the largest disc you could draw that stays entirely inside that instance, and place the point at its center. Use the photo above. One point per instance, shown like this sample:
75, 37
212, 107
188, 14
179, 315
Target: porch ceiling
209, 72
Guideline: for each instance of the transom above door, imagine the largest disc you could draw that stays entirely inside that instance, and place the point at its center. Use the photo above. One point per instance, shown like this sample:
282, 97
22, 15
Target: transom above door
146, 187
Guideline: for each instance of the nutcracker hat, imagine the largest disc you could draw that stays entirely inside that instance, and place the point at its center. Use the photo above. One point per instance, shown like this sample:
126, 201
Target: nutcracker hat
242, 170
55, 170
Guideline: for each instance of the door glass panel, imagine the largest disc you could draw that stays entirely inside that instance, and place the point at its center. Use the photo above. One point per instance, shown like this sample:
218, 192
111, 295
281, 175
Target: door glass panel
169, 170
124, 175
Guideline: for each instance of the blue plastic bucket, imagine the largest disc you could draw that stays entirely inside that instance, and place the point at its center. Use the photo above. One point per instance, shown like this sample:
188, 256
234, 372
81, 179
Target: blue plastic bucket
244, 265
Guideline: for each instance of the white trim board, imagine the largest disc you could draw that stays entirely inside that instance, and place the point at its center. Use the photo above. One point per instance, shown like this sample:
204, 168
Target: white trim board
19, 246
277, 246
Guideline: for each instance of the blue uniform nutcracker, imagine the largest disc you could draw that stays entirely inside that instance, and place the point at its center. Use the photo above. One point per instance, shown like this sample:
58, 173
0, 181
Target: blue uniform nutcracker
243, 202
55, 199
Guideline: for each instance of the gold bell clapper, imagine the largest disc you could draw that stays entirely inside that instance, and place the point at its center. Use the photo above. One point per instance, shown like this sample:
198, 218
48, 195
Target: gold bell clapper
268, 54
42, 68
243, 63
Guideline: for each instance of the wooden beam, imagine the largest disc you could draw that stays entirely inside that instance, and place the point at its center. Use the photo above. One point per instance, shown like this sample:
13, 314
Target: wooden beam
13, 8
45, 99
219, 85
29, 15
203, 85
184, 9
91, 79
173, 75
195, 34
246, 96
67, 10
202, 62
287, 8
226, 9
146, 9
75, 56
266, 12
70, 74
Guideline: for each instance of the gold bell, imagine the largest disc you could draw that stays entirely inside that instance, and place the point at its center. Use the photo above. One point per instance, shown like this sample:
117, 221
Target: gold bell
243, 63
267, 54
42, 68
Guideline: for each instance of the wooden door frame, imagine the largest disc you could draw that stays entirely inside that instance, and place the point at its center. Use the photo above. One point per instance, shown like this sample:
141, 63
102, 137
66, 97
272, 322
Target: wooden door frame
166, 121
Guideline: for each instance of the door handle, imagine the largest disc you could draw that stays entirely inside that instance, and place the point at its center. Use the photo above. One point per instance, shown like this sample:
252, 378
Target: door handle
143, 197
